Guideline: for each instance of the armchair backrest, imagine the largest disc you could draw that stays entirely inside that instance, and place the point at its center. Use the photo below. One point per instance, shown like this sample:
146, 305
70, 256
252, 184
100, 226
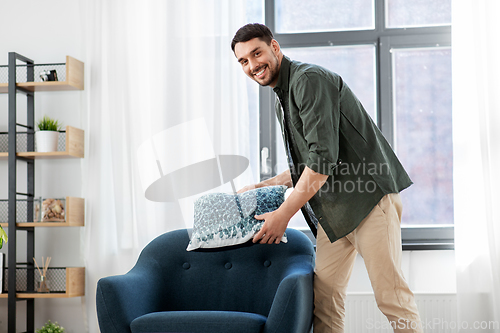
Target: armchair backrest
238, 278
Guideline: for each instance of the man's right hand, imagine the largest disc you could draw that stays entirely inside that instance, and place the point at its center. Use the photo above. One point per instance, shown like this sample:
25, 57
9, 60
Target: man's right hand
281, 179
247, 188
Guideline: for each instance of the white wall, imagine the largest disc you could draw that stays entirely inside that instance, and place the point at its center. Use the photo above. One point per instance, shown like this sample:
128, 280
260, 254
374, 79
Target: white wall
46, 31
427, 272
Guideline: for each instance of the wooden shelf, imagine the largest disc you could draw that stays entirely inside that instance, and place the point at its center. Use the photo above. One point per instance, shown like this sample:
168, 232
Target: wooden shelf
75, 140
74, 211
75, 286
74, 80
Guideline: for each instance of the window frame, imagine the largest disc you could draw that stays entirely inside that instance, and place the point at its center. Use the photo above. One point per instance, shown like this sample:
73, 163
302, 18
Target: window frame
384, 39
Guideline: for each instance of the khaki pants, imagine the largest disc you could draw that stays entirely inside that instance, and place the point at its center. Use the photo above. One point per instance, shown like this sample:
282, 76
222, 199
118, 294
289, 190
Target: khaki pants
378, 241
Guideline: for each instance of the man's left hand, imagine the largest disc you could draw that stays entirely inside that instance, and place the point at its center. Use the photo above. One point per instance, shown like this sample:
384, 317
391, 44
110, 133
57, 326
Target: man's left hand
273, 228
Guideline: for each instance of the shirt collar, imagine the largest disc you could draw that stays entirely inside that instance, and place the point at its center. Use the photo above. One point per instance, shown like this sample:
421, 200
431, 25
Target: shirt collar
283, 76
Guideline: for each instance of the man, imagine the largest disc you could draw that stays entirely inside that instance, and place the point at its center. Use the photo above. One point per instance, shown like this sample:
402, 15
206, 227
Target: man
346, 180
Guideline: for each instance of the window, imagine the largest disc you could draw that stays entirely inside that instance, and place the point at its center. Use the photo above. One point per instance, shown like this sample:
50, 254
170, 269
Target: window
396, 56
297, 16
422, 13
423, 133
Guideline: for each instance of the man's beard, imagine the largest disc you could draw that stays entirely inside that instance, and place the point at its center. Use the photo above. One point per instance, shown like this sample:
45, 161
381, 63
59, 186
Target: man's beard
272, 74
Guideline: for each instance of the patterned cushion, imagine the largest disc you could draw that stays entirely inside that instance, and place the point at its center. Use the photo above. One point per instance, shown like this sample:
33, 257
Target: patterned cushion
222, 219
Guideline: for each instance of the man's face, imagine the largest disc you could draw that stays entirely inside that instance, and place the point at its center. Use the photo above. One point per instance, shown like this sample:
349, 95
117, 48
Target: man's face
259, 61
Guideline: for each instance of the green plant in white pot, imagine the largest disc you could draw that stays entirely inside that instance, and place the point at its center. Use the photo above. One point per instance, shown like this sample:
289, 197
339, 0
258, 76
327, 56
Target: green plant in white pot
51, 327
48, 135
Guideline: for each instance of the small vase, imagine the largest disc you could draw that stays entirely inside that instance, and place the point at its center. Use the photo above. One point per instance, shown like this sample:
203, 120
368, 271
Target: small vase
46, 141
43, 285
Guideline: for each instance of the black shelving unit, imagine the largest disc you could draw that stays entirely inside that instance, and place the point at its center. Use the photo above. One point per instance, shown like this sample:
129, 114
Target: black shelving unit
13, 193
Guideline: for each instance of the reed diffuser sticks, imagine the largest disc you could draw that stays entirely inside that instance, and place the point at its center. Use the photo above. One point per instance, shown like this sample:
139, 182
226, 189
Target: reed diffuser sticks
43, 286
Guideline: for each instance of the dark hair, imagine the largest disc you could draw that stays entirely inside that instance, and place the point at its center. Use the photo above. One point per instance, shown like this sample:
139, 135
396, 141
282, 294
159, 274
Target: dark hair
251, 31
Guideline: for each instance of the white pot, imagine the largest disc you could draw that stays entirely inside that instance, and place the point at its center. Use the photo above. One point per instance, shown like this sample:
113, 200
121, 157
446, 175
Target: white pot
46, 141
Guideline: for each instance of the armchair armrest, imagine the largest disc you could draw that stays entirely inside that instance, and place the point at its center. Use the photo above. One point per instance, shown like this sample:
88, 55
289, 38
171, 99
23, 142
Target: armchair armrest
122, 298
292, 308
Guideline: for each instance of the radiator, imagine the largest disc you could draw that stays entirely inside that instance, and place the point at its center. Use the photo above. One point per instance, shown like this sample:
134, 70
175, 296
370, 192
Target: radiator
438, 313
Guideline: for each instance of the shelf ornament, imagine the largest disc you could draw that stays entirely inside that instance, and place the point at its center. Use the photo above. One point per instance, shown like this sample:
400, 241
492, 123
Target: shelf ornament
43, 286
47, 136
3, 237
51, 327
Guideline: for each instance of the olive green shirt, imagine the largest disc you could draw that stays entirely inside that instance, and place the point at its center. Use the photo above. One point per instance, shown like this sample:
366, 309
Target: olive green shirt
326, 128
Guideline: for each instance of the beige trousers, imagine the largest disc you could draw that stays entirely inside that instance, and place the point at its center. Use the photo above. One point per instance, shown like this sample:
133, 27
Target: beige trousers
378, 240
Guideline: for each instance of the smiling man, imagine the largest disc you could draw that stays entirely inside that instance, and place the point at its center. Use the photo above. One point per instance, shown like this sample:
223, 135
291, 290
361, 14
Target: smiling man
346, 181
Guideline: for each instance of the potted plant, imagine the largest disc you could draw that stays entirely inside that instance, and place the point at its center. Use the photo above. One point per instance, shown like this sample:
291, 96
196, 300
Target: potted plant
3, 237
50, 327
48, 134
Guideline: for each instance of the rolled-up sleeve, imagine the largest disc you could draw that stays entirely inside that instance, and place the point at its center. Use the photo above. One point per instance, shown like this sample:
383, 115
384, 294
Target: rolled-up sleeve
318, 101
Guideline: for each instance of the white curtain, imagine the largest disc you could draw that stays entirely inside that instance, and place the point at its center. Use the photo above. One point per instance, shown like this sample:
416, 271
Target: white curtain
152, 65
476, 126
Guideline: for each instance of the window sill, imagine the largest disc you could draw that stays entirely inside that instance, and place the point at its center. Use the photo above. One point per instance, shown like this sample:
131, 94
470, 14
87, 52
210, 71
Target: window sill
417, 238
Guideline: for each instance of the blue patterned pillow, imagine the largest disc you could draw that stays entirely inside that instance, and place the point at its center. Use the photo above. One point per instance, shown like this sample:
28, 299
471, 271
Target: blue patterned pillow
222, 219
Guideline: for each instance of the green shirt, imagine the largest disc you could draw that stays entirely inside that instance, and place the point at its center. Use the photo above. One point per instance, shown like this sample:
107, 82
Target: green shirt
326, 128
